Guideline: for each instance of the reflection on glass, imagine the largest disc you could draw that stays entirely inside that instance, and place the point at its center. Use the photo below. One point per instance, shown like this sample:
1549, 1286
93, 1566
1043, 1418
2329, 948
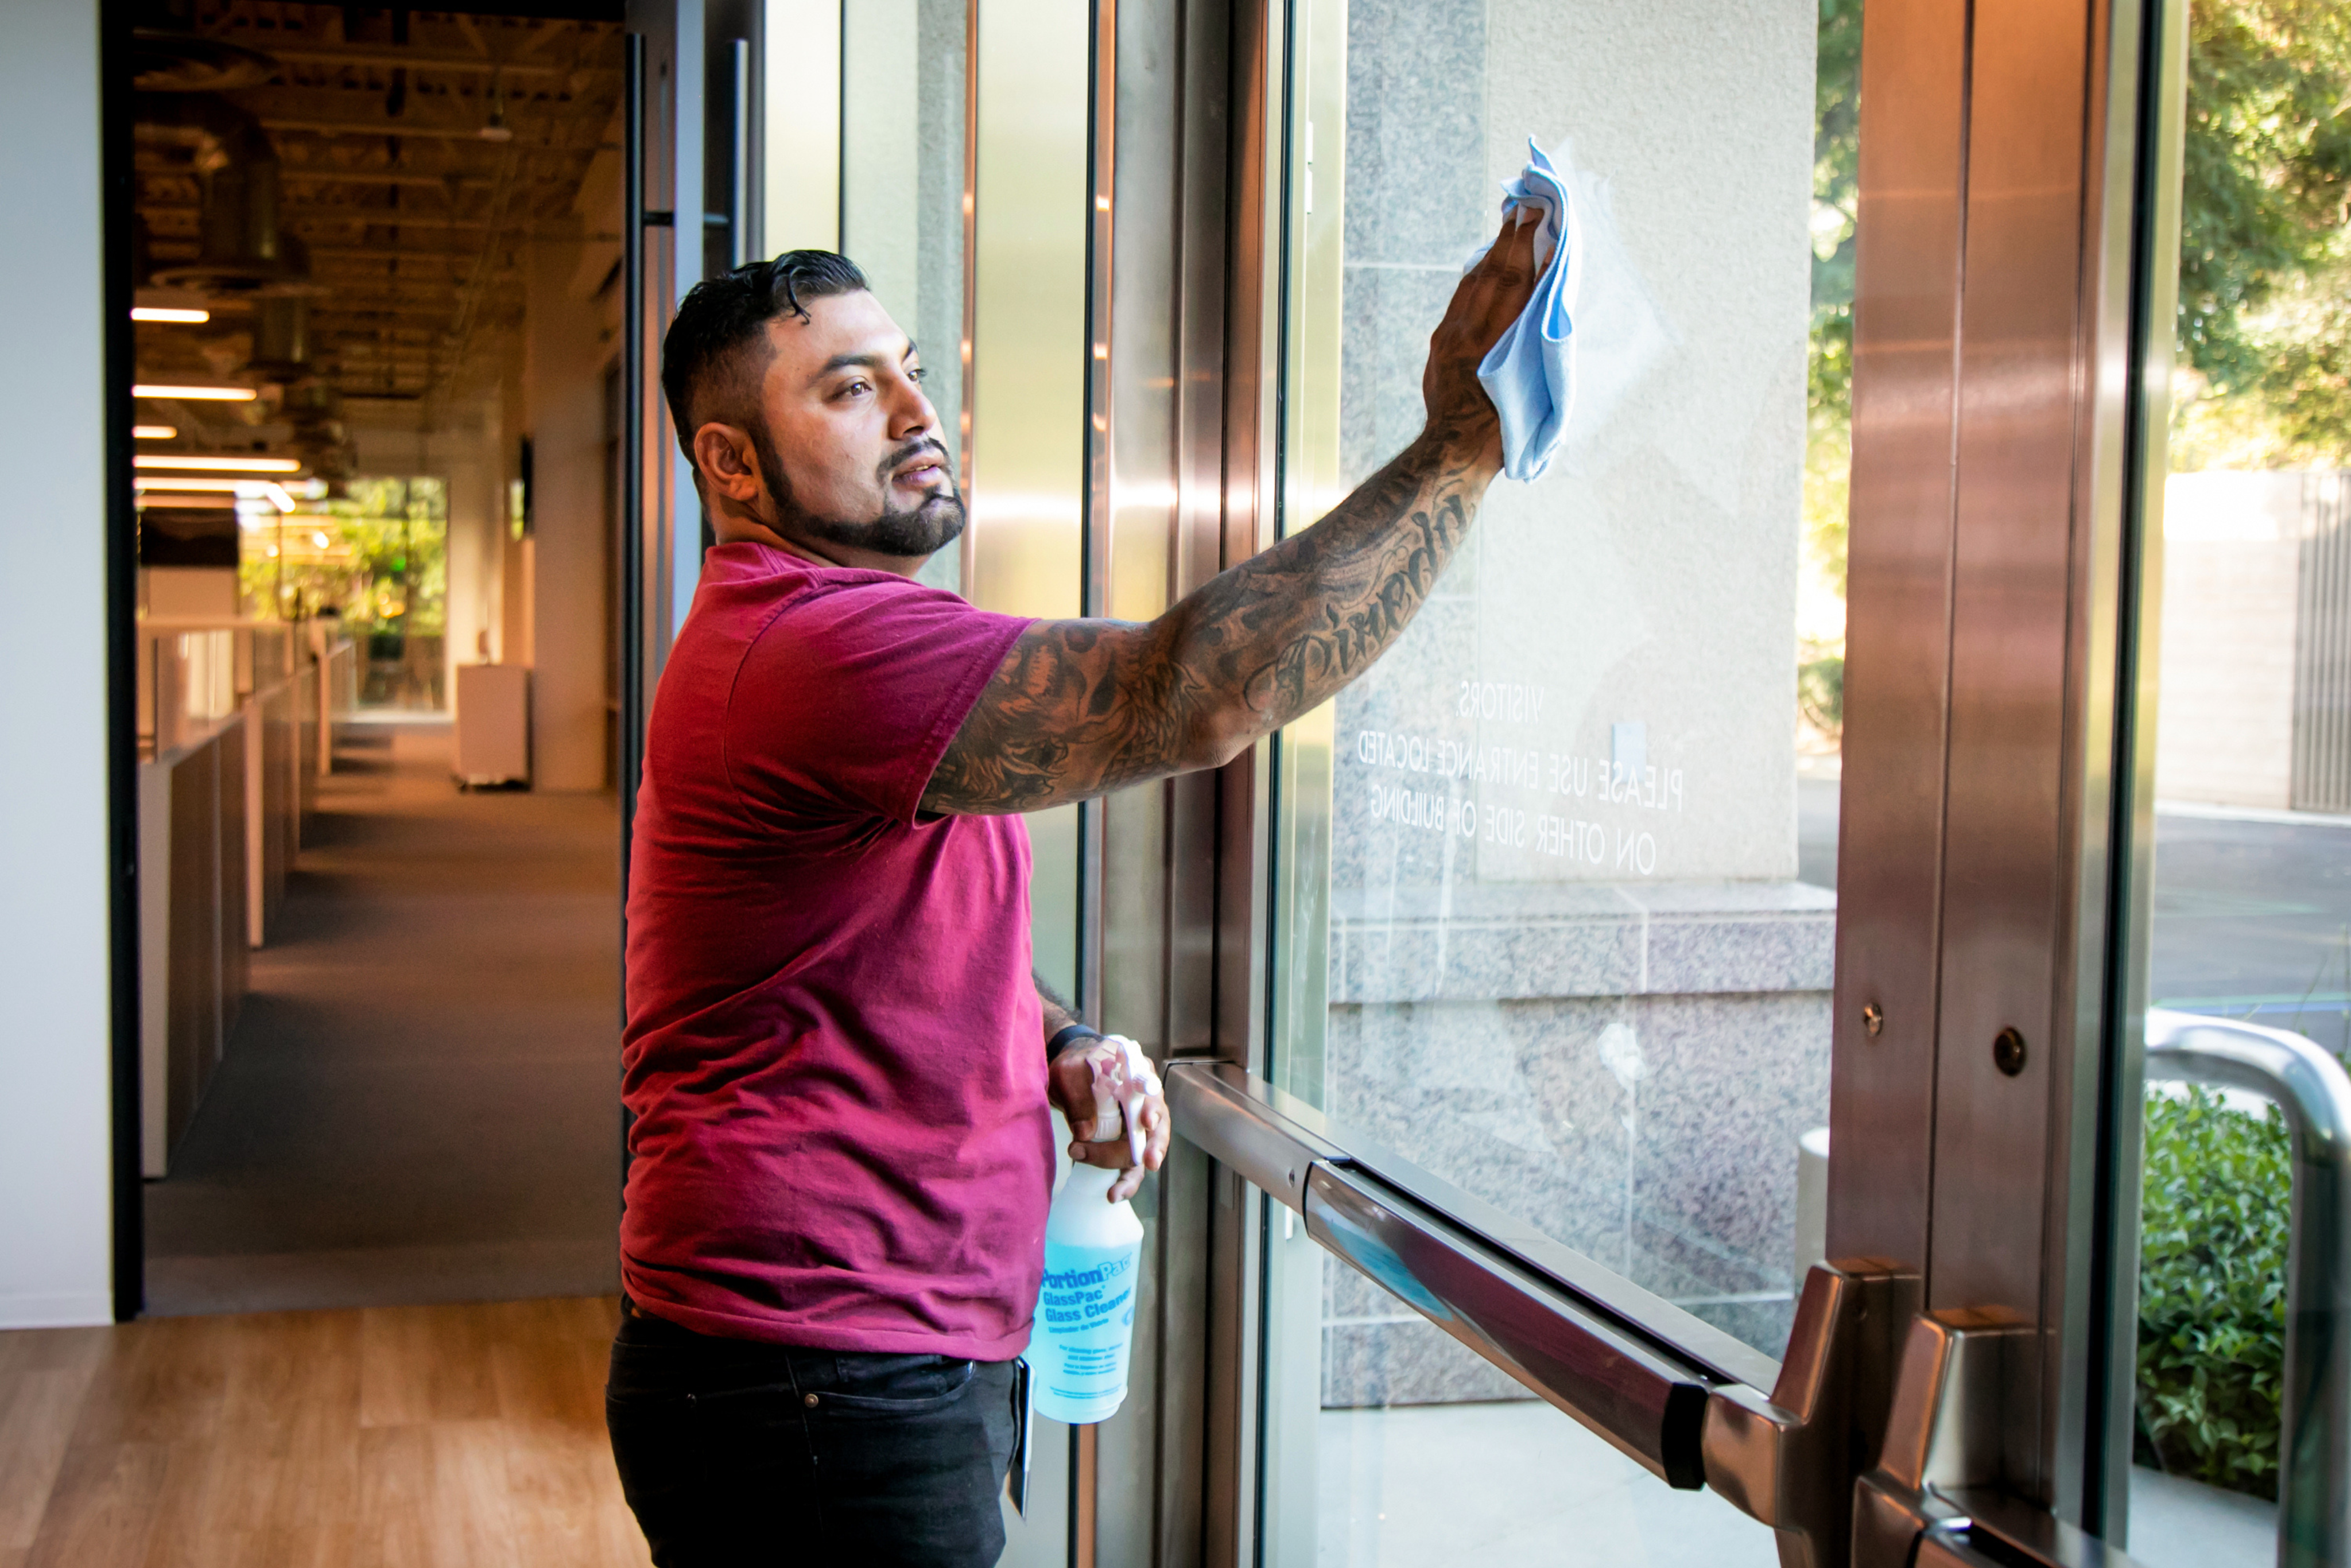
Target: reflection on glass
2253, 863
902, 166
1546, 922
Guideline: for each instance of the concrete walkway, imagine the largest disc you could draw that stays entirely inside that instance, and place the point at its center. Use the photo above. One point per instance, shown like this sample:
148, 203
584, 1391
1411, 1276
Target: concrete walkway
1519, 1485
421, 1100
1499, 1486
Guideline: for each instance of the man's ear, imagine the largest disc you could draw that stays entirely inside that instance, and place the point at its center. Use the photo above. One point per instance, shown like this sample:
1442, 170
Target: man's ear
727, 464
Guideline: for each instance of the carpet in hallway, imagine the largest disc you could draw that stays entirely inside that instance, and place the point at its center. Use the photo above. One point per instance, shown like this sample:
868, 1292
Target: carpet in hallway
421, 1099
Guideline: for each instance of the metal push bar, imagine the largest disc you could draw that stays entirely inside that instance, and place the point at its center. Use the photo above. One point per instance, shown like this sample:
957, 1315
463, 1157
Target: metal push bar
1865, 1451
1669, 1391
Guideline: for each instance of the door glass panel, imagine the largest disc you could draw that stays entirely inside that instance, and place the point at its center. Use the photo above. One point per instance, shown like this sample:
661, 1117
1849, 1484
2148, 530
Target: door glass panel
2250, 594
1554, 882
902, 78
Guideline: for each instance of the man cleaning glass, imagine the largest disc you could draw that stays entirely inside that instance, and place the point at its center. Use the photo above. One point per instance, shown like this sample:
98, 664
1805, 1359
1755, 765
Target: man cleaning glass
837, 1058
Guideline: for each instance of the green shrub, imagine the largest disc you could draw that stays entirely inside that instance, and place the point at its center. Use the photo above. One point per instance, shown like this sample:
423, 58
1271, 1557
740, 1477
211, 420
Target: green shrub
2211, 1291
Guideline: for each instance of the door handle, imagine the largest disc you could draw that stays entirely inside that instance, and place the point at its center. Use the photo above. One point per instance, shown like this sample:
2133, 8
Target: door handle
1942, 1430
1789, 1460
1647, 1403
635, 364
738, 217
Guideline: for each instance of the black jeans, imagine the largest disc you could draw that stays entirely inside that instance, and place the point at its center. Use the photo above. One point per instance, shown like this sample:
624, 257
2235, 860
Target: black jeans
735, 1452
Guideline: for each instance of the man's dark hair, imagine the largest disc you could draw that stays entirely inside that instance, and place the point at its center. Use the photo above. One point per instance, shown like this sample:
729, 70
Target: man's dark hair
718, 343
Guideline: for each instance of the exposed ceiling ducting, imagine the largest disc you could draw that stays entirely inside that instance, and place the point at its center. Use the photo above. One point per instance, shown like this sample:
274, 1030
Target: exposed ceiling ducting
169, 55
353, 194
165, 59
242, 246
281, 338
315, 410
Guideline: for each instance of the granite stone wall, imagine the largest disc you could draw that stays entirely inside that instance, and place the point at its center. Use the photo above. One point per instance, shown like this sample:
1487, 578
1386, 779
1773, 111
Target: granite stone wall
1630, 1071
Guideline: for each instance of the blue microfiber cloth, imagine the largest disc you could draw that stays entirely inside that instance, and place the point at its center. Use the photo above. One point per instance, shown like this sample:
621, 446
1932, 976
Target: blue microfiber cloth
1529, 373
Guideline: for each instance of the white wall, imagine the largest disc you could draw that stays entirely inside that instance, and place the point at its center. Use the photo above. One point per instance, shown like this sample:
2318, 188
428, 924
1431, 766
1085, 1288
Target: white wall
800, 112
477, 527
55, 1190
2232, 573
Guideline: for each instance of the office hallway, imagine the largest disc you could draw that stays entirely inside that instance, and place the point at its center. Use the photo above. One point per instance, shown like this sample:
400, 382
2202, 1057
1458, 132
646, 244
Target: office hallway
421, 1099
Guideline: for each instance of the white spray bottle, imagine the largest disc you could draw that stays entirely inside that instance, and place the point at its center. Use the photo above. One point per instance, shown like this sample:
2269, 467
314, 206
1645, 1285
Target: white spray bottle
1094, 1256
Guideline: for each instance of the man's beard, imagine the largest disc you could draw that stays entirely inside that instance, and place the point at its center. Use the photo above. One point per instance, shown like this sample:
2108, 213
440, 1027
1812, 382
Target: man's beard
923, 529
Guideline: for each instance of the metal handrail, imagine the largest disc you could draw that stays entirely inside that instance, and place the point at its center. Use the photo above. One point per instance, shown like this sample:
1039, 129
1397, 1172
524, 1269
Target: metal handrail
2307, 1082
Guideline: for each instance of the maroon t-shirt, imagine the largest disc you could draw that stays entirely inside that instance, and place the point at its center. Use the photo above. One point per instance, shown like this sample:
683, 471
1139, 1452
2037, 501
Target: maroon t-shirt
834, 1051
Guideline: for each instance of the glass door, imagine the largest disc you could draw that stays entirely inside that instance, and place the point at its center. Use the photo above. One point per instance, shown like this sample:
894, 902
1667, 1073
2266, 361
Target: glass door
1654, 1025
1553, 924
2242, 926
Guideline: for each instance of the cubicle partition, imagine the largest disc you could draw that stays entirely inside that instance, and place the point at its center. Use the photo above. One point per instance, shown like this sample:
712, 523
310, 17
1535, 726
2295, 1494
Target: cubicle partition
193, 921
235, 724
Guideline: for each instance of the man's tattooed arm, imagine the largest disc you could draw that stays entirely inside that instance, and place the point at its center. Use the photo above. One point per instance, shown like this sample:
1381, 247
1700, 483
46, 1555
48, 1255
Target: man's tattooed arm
1082, 707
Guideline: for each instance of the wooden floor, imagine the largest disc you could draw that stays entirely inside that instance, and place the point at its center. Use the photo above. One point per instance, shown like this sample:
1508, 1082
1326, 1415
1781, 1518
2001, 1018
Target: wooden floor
400, 1437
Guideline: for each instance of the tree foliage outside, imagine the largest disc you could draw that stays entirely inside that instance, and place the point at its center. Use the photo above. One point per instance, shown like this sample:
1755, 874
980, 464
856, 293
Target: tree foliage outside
383, 567
1828, 390
1837, 210
2263, 348
2265, 237
1820, 693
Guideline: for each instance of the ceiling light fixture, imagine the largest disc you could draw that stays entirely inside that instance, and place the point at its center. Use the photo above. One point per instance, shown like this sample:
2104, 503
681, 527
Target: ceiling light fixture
219, 464
496, 129
153, 431
256, 490
166, 482
167, 313
199, 394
